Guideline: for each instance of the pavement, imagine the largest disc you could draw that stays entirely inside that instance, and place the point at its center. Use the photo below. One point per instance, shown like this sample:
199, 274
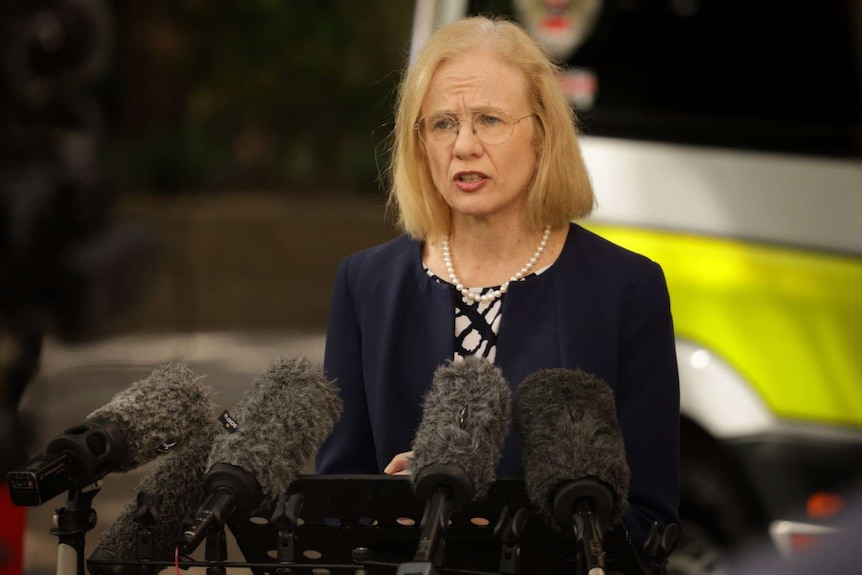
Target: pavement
74, 380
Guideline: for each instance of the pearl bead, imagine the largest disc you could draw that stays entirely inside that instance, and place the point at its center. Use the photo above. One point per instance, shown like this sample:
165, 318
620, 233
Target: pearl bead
469, 297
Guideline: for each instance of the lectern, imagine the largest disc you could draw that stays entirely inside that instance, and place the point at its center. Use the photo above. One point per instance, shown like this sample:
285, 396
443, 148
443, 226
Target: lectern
369, 524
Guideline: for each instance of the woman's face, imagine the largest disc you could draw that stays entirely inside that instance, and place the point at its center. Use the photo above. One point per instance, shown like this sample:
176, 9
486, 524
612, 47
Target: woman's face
476, 179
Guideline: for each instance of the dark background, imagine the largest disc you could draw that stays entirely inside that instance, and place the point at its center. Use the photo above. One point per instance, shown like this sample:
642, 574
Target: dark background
226, 156
267, 94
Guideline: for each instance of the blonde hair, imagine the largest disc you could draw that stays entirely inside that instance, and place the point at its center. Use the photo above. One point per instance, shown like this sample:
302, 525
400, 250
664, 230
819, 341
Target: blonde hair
560, 190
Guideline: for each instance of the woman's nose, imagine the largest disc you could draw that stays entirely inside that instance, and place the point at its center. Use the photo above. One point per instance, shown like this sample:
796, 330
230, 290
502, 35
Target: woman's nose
466, 140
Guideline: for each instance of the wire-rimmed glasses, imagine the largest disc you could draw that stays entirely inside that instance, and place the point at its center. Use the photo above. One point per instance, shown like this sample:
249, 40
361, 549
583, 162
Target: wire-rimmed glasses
492, 127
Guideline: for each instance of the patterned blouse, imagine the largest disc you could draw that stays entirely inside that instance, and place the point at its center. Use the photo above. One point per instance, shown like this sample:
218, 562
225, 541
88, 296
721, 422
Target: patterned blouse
477, 324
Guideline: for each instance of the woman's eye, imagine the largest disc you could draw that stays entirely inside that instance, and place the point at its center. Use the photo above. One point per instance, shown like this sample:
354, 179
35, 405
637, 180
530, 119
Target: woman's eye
488, 120
442, 124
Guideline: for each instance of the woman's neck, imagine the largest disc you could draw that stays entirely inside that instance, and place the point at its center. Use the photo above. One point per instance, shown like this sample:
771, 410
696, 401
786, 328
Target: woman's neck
485, 256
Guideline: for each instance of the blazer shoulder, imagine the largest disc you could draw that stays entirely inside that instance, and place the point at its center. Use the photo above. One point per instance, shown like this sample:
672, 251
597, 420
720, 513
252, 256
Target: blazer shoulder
383, 259
587, 242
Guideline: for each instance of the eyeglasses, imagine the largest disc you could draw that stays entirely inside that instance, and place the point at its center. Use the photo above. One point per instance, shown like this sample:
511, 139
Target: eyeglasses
492, 127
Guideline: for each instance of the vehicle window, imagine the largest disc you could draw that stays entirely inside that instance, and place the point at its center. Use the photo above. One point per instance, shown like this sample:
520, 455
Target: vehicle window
777, 75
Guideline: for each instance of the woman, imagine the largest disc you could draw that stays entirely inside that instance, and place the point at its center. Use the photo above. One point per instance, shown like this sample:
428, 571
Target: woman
487, 177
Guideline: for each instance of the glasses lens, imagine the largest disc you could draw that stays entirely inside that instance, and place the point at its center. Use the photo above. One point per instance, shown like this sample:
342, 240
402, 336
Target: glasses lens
491, 127
440, 129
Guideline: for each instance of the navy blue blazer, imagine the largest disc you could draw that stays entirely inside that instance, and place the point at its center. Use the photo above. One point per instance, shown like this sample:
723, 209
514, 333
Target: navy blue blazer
599, 308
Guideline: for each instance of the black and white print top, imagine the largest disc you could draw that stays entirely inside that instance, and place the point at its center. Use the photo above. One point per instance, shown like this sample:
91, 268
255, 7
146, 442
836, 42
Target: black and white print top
477, 323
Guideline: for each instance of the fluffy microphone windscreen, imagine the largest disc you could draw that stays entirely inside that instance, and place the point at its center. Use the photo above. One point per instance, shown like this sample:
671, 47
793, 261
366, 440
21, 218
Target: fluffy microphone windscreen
567, 423
178, 477
283, 419
465, 417
160, 411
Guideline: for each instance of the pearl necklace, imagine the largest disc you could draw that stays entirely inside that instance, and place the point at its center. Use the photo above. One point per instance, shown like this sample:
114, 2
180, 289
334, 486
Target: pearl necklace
471, 297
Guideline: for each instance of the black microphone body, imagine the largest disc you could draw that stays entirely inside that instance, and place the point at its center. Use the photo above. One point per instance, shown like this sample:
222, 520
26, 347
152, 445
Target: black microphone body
578, 502
138, 424
465, 418
576, 473
445, 488
282, 420
230, 489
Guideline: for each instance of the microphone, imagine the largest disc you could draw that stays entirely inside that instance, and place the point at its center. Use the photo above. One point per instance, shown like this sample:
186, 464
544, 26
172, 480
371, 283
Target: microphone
140, 423
177, 480
576, 474
465, 418
281, 422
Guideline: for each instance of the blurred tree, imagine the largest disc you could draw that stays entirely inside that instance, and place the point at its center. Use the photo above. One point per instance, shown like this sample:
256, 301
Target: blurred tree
262, 93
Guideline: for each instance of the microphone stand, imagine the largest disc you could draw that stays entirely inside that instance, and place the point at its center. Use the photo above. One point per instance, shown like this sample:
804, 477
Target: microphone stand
284, 517
508, 530
216, 551
589, 537
72, 523
146, 516
659, 546
445, 488
429, 551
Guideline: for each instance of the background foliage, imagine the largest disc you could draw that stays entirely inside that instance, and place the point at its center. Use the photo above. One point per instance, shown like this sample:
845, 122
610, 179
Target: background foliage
277, 94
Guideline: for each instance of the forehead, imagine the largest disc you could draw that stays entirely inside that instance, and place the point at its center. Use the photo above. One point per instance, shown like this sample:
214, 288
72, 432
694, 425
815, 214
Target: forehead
474, 81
